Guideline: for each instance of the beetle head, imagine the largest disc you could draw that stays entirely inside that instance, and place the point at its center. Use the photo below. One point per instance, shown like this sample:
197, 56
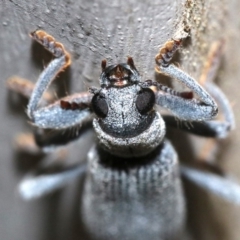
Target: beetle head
119, 75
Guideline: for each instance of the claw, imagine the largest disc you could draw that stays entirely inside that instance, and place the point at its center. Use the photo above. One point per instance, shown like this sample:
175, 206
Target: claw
49, 42
167, 51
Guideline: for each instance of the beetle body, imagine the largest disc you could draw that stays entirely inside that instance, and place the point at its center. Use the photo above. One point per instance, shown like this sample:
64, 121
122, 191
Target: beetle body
138, 200
133, 177
127, 125
132, 185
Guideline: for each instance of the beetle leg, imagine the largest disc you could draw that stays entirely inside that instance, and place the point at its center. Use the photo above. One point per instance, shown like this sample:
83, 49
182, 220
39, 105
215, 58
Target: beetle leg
187, 109
67, 112
223, 187
25, 88
61, 61
25, 142
219, 128
216, 128
37, 186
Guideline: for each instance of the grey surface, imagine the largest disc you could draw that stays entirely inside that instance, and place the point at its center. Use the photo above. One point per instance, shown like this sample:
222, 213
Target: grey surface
92, 31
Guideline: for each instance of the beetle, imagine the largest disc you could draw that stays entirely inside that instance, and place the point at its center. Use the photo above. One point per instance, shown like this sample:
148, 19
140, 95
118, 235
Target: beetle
133, 186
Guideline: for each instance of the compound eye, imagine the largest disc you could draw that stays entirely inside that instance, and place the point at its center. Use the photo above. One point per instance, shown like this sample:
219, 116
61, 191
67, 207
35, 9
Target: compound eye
145, 100
99, 105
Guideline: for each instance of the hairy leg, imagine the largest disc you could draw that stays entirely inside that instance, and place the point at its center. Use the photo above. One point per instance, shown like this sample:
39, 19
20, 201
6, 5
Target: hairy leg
37, 186
215, 128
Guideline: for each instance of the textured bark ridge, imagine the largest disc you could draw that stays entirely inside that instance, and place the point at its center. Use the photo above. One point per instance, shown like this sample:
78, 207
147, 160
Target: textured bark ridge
98, 30
92, 31
206, 21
